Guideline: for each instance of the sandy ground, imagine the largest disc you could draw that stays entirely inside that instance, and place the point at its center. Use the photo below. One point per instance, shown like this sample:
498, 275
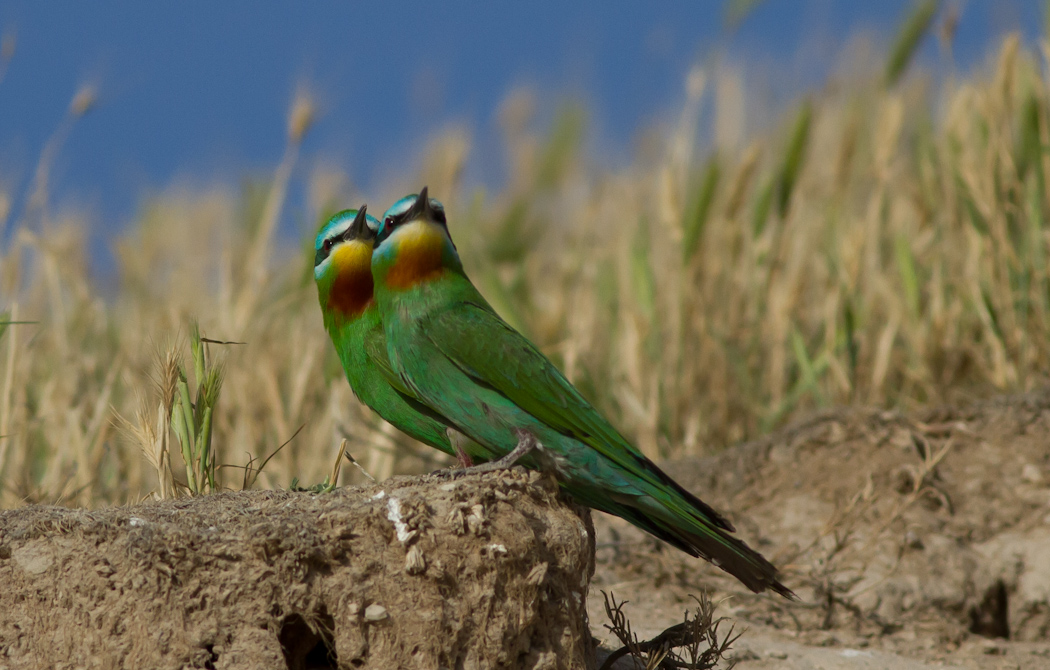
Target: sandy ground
913, 541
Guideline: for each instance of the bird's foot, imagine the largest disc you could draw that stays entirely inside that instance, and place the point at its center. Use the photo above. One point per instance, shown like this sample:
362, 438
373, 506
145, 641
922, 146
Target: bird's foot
526, 443
457, 439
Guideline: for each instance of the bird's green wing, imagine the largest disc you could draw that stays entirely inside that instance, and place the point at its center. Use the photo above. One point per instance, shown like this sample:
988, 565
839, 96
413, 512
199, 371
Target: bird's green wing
374, 343
487, 349
375, 348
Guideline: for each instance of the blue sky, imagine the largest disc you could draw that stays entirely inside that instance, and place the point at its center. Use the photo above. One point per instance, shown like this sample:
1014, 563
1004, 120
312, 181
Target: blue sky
201, 88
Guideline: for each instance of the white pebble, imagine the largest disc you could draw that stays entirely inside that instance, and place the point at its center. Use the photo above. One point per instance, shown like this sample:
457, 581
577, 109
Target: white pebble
375, 612
1031, 474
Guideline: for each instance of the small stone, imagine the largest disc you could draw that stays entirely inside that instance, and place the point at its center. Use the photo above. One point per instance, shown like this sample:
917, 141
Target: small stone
537, 574
991, 647
912, 540
476, 519
415, 561
1031, 474
34, 558
776, 653
824, 639
854, 653
375, 612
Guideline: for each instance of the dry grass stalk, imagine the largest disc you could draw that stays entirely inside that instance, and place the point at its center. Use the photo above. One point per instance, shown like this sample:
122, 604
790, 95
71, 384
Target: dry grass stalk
882, 245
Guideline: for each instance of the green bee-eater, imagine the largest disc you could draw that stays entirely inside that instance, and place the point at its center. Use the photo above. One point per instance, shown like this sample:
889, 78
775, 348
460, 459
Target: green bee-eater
342, 270
459, 357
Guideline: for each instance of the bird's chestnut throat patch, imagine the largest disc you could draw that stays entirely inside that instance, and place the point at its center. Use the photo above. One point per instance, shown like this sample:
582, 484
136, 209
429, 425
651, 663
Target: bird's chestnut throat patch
351, 291
419, 250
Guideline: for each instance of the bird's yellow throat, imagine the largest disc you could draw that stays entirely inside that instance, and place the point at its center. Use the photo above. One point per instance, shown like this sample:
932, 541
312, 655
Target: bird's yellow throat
418, 255
352, 289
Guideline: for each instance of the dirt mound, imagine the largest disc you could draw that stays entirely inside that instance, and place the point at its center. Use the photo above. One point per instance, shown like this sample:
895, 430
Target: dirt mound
484, 571
921, 534
912, 540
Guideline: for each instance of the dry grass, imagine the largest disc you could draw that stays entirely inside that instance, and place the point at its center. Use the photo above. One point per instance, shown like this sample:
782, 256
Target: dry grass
694, 644
884, 244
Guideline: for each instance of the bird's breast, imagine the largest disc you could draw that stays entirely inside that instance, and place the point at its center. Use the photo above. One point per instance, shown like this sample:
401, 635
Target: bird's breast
419, 256
351, 292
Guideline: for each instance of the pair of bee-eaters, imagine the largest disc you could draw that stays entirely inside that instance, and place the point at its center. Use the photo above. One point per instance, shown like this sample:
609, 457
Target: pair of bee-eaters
426, 351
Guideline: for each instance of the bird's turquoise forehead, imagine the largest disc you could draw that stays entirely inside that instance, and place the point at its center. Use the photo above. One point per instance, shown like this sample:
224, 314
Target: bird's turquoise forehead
338, 224
405, 204
401, 206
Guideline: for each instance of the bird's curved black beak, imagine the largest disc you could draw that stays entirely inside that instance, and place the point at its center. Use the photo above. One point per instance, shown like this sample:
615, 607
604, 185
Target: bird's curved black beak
359, 229
421, 208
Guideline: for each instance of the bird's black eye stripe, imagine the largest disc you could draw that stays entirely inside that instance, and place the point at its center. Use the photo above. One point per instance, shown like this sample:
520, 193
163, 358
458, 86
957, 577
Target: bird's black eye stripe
323, 252
389, 223
394, 220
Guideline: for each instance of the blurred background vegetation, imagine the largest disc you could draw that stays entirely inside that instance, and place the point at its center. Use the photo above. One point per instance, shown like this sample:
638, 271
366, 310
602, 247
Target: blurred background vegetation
885, 244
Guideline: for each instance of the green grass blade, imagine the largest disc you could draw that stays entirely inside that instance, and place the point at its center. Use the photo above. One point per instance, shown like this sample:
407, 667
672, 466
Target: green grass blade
807, 374
1029, 148
207, 459
512, 241
908, 273
563, 145
1037, 248
852, 348
700, 209
179, 423
993, 314
794, 157
197, 349
910, 35
763, 203
973, 213
642, 279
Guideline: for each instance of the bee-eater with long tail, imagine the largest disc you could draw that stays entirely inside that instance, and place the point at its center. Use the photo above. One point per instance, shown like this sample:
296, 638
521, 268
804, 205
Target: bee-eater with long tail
342, 270
459, 357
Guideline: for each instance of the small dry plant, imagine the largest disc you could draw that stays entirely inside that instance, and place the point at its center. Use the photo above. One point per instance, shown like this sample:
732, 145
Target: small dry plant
188, 415
694, 644
151, 428
191, 419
